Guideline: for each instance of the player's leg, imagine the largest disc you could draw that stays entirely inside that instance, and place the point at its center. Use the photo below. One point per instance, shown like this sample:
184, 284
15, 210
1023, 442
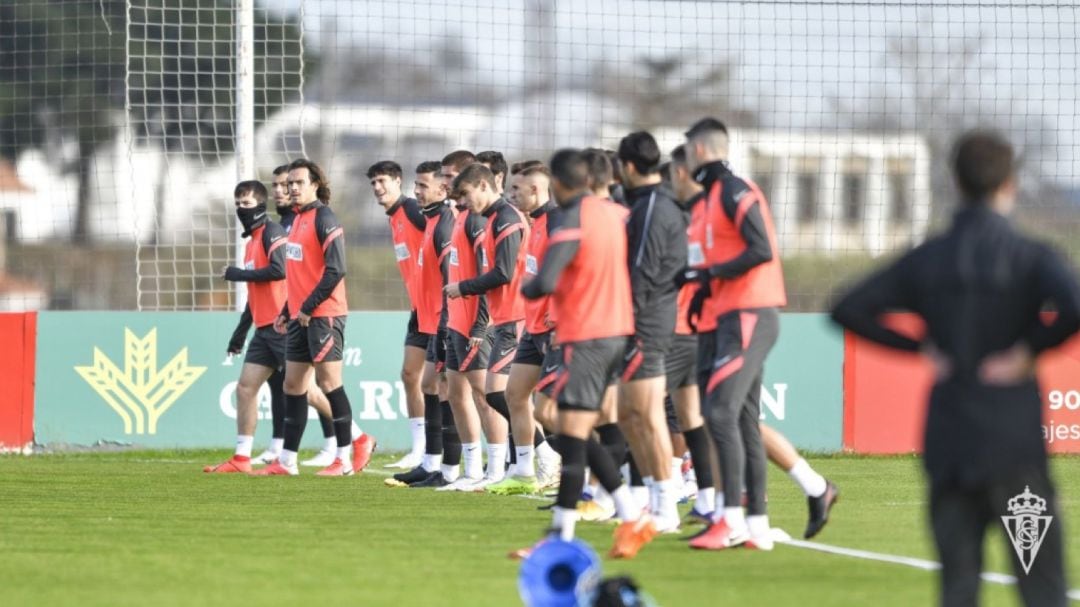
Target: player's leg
524, 373
495, 413
958, 518
460, 355
412, 371
252, 377
433, 440
318, 402
757, 518
688, 411
267, 348
354, 448
298, 373
820, 493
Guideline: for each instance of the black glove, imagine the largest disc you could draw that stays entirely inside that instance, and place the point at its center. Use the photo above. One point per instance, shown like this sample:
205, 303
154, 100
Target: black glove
232, 273
689, 275
236, 344
693, 314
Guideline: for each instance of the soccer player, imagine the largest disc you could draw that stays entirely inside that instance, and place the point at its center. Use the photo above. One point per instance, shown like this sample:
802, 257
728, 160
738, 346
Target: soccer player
584, 269
325, 456
264, 273
439, 466
497, 163
537, 462
740, 286
469, 341
681, 364
407, 224
656, 241
981, 288
315, 314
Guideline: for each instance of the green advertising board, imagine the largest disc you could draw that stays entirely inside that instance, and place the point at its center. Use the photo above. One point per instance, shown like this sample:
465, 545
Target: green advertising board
163, 380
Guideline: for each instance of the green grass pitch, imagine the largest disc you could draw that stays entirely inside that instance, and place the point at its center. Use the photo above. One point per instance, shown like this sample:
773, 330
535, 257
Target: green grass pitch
149, 528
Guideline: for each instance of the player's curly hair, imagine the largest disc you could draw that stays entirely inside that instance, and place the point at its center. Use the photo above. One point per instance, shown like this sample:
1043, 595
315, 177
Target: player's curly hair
317, 175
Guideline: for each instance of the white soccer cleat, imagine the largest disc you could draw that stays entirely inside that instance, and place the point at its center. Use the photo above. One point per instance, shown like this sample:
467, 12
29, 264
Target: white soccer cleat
322, 459
410, 461
482, 485
667, 525
266, 457
548, 470
464, 483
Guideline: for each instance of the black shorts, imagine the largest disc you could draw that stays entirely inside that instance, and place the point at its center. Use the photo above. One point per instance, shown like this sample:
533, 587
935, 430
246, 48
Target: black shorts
644, 358
436, 350
413, 336
322, 341
550, 368
461, 357
504, 346
267, 348
588, 368
532, 349
680, 364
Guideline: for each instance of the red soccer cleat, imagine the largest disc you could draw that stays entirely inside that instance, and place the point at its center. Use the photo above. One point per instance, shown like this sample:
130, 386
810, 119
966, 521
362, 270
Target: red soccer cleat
719, 536
631, 536
337, 468
362, 448
276, 469
232, 465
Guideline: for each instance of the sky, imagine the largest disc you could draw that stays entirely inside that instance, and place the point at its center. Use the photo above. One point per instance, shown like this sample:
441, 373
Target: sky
795, 60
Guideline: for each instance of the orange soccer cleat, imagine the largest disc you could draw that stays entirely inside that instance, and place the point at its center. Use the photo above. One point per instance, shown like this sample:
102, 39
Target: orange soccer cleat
362, 448
338, 468
631, 536
276, 469
232, 465
719, 536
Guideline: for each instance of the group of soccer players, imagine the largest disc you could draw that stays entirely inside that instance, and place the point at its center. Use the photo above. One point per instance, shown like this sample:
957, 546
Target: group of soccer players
600, 314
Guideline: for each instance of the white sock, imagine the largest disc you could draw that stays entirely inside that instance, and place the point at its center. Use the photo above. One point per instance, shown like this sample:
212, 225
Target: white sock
243, 445
735, 518
287, 458
626, 508
524, 466
473, 458
431, 462
653, 503
330, 444
356, 431
496, 464
676, 468
641, 497
667, 498
591, 490
449, 473
544, 451
419, 439
276, 445
602, 498
564, 520
345, 455
812, 483
759, 525
706, 500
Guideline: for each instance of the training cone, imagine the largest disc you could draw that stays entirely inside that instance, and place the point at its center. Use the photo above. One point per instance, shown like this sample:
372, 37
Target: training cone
557, 573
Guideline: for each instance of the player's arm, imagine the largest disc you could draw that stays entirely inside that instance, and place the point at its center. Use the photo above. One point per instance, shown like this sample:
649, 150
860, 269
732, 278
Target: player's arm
743, 207
507, 246
444, 234
273, 242
239, 336
1054, 284
564, 242
332, 238
860, 310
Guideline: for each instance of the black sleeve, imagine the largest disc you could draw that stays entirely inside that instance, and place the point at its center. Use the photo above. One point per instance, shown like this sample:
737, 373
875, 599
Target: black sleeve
860, 310
414, 214
660, 253
563, 244
239, 336
328, 230
1056, 284
510, 228
753, 232
444, 235
273, 234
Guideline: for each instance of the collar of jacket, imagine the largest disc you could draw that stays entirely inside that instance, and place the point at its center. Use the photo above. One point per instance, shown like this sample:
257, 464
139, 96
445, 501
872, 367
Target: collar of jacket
712, 172
689, 203
542, 210
298, 209
434, 210
495, 206
394, 207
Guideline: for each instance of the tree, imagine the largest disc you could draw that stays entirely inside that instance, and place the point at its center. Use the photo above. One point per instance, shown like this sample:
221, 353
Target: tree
62, 72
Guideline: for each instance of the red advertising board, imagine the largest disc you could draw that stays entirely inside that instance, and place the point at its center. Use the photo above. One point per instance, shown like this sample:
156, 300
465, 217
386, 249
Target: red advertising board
18, 333
885, 395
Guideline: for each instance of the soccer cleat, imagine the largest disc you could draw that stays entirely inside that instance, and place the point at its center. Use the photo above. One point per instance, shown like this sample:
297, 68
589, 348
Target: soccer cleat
465, 483
362, 449
434, 480
594, 511
548, 471
759, 543
230, 466
523, 553
266, 457
631, 536
276, 469
515, 485
484, 483
819, 509
415, 475
410, 461
719, 536
338, 468
698, 518
322, 459
667, 525
393, 482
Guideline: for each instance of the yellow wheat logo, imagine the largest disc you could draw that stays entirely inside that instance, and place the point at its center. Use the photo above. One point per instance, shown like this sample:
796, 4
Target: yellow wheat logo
140, 393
